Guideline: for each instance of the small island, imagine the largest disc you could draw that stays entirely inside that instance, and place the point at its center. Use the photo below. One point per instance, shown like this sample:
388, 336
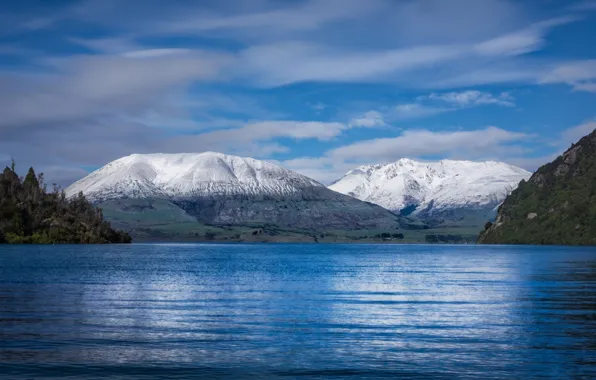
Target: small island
29, 214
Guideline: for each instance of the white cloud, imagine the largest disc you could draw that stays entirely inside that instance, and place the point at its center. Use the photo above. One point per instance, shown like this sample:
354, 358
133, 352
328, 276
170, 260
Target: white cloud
572, 135
530, 163
257, 20
319, 106
521, 42
370, 119
322, 169
415, 110
420, 142
114, 95
150, 53
581, 75
585, 86
482, 144
114, 45
254, 134
290, 62
454, 100
566, 138
490, 143
293, 129
423, 65
511, 44
472, 98
85, 87
587, 5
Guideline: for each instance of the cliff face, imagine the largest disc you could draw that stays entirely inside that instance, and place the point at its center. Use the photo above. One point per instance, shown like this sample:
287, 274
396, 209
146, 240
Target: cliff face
557, 205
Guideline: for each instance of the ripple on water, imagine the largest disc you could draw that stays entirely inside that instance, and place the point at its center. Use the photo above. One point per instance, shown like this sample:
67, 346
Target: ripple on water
297, 311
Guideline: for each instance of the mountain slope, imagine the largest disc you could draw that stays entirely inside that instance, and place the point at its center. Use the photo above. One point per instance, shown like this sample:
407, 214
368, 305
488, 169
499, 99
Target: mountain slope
219, 189
432, 190
557, 205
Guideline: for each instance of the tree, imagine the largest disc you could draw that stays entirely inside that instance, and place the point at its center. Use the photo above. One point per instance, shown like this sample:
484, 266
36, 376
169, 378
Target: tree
30, 181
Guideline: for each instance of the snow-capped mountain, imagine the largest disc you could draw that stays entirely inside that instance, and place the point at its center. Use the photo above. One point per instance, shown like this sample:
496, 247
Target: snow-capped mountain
432, 187
188, 175
215, 188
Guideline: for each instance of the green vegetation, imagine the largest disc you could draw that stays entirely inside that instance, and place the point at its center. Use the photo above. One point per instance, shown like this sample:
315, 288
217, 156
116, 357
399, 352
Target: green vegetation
162, 220
557, 205
29, 214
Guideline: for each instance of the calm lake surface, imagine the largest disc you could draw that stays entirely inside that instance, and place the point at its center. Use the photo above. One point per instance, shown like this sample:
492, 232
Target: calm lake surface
297, 311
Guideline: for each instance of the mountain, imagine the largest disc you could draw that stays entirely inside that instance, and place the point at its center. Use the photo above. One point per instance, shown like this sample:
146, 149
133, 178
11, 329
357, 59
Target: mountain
219, 190
557, 205
189, 175
433, 191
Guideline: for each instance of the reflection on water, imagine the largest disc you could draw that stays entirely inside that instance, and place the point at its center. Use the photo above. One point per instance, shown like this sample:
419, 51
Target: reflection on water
308, 311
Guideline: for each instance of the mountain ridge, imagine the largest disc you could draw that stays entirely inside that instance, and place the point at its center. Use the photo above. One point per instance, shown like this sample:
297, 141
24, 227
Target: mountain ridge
188, 174
218, 189
432, 188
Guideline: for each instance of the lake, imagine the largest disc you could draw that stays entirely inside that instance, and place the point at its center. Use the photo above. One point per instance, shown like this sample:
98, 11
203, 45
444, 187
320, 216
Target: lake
186, 311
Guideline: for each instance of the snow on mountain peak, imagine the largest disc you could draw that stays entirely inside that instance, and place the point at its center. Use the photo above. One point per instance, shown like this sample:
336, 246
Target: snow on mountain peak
442, 185
188, 174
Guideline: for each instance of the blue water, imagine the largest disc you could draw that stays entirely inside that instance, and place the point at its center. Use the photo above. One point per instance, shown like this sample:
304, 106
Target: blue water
297, 311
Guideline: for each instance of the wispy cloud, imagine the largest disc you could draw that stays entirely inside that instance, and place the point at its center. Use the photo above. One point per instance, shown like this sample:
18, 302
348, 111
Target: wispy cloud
471, 98
522, 41
417, 143
416, 110
573, 134
484, 143
92, 86
213, 75
291, 17
290, 62
586, 5
581, 75
370, 119
490, 143
439, 103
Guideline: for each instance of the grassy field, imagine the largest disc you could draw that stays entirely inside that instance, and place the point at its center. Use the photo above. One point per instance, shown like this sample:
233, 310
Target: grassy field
160, 220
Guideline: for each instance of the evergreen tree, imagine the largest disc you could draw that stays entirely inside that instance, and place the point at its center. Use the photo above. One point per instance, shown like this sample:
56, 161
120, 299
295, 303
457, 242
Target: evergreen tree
30, 181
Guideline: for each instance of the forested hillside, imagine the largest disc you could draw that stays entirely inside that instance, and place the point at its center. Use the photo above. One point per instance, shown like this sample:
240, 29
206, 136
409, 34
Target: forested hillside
557, 205
31, 214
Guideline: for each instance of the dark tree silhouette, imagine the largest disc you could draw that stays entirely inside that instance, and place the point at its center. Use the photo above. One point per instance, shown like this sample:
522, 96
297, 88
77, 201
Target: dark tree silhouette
31, 214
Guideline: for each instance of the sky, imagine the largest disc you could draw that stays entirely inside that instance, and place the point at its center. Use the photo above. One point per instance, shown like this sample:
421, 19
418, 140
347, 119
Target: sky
319, 86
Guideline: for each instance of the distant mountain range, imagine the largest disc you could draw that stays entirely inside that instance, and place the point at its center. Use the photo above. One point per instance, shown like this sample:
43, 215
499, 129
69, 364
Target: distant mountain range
207, 195
434, 191
557, 205
162, 195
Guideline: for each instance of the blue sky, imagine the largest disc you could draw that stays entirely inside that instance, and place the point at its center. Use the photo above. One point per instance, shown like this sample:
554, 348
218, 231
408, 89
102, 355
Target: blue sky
320, 86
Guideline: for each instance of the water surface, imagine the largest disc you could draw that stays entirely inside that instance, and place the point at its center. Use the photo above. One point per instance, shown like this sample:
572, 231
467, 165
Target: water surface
297, 311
